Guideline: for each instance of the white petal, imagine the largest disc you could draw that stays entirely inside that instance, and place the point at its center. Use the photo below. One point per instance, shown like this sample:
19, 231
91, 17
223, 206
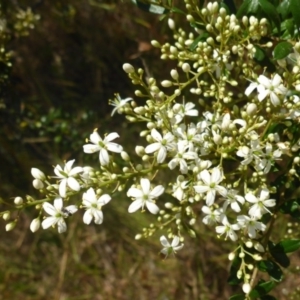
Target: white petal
111, 137
210, 197
269, 203
68, 166
250, 88
49, 208
135, 193
274, 99
164, 242
152, 147
205, 176
201, 188
251, 198
103, 157
63, 188
175, 241
276, 80
135, 205
161, 155
98, 217
90, 148
263, 94
87, 217
156, 135
75, 171
216, 175
95, 138
104, 199
157, 191
152, 207
57, 171
73, 184
145, 185
58, 204
61, 225
113, 147
48, 222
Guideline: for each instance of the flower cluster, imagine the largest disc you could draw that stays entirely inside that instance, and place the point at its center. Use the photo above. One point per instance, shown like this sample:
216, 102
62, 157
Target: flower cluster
219, 140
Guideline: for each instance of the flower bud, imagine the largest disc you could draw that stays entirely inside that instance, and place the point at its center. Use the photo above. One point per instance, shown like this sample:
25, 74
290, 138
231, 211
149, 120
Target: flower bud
166, 83
186, 68
231, 256
125, 156
35, 224
18, 201
37, 174
6, 216
128, 68
10, 226
37, 184
174, 74
140, 150
171, 24
246, 288
251, 109
155, 44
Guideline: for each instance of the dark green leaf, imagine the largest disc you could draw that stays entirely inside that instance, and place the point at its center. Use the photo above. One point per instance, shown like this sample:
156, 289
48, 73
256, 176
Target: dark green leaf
289, 207
152, 8
268, 297
282, 50
202, 37
262, 289
295, 10
289, 245
237, 297
278, 253
284, 8
290, 26
270, 10
231, 6
273, 269
259, 53
177, 10
248, 6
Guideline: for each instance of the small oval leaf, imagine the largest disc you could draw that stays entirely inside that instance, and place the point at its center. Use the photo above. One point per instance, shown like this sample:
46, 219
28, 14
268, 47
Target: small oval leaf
282, 50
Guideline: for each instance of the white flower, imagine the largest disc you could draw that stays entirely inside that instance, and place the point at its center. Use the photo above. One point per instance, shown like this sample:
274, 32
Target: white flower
190, 135
67, 177
170, 248
268, 87
57, 214
251, 225
181, 156
144, 196
212, 215
260, 204
178, 188
228, 229
93, 206
184, 110
162, 145
210, 185
233, 200
118, 103
102, 146
266, 162
250, 153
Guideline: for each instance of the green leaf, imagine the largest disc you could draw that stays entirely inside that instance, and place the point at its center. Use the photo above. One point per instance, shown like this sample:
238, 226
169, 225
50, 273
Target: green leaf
248, 6
268, 297
259, 53
295, 10
237, 297
270, 10
289, 246
152, 8
290, 207
284, 8
282, 50
273, 269
202, 37
278, 253
231, 6
262, 289
177, 10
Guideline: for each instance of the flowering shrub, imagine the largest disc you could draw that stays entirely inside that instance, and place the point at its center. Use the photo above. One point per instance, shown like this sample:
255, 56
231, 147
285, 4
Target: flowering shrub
222, 130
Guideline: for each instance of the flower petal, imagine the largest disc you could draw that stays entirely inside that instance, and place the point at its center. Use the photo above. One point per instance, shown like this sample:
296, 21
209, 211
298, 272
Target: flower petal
135, 205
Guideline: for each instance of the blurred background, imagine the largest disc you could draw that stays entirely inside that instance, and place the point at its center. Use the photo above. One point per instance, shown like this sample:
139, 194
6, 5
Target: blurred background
60, 62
